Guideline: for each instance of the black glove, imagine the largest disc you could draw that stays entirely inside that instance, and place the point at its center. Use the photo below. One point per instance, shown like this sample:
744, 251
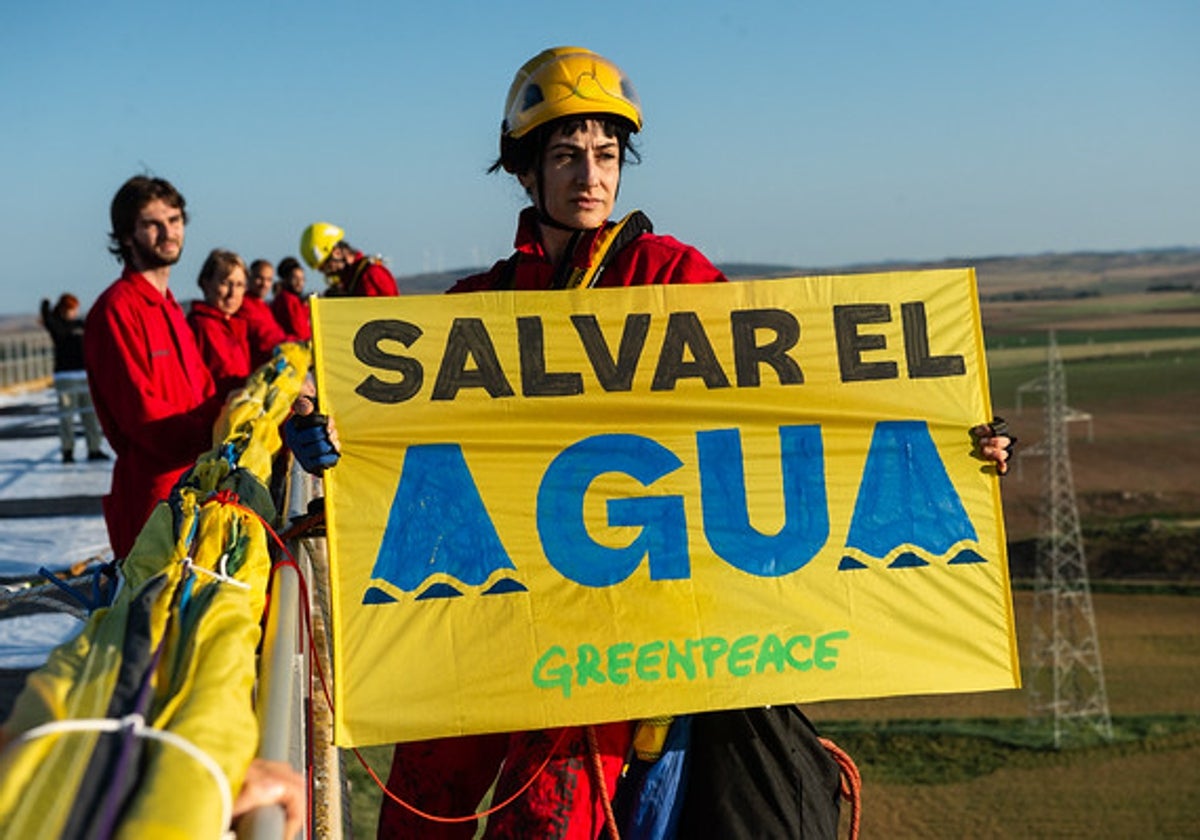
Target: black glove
307, 436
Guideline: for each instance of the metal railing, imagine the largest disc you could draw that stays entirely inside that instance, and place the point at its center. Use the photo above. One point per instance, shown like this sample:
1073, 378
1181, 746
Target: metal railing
288, 701
26, 358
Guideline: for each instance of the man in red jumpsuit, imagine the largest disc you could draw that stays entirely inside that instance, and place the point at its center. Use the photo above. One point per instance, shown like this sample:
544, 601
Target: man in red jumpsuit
289, 304
350, 273
152, 392
263, 332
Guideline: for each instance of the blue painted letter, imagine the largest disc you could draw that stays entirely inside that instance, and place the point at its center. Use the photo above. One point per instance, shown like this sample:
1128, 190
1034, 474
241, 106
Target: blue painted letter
438, 523
565, 539
726, 515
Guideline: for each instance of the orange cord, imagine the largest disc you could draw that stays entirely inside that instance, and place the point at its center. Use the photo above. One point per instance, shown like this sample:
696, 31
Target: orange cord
610, 818
228, 498
850, 783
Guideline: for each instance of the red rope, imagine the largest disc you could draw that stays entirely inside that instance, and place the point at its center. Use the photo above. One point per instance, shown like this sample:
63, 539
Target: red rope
850, 783
470, 817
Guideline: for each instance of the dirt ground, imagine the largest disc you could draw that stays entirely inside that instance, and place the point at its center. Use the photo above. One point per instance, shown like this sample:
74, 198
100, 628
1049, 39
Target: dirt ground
1142, 459
1153, 794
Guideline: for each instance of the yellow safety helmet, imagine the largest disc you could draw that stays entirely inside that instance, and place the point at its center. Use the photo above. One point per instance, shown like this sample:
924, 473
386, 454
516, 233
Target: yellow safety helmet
317, 242
562, 81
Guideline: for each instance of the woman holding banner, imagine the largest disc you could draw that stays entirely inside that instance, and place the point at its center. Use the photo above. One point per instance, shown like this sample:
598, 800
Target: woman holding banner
565, 136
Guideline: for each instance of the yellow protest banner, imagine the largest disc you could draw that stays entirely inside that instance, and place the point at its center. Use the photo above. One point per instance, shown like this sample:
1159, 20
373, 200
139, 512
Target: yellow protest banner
566, 507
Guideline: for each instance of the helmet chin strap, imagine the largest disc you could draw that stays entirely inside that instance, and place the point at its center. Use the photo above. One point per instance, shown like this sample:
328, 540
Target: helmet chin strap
549, 221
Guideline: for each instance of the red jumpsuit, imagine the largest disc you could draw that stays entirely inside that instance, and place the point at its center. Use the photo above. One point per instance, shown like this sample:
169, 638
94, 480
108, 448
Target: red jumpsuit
263, 332
449, 776
153, 395
291, 311
365, 277
223, 345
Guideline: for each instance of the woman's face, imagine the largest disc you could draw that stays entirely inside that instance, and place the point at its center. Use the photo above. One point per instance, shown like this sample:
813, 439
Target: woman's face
580, 175
225, 292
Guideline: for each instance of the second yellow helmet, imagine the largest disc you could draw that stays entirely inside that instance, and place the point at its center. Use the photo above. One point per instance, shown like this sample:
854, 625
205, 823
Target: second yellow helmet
317, 242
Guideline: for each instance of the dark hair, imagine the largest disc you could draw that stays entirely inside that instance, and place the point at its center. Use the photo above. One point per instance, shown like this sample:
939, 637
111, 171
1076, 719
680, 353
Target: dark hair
524, 154
219, 263
286, 266
66, 302
257, 264
135, 194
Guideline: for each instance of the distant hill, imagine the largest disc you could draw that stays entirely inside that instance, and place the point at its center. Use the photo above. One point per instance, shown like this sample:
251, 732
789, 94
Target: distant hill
1083, 273
435, 282
1037, 276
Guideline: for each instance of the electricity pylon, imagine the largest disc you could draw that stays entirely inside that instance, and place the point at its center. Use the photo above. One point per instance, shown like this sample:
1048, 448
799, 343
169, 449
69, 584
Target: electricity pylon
1067, 685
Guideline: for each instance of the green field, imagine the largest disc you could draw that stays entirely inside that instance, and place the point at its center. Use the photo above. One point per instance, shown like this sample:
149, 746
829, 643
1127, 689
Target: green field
1093, 383
1039, 338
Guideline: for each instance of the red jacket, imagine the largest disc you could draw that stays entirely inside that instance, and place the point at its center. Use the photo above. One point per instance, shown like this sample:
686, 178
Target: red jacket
450, 775
153, 396
648, 260
291, 311
263, 332
365, 277
223, 345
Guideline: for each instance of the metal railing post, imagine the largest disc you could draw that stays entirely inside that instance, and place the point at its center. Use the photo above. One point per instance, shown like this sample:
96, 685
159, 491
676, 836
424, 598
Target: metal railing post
284, 690
281, 695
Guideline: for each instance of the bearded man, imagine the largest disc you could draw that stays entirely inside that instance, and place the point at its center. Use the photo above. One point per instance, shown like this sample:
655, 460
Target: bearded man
153, 394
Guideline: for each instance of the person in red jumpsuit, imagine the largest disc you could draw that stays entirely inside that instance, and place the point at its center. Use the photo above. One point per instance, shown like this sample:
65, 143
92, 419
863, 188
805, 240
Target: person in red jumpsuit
350, 273
221, 336
152, 392
263, 331
567, 152
289, 304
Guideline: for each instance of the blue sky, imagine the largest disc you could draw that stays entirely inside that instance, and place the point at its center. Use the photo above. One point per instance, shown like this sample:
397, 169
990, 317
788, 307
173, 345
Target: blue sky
800, 133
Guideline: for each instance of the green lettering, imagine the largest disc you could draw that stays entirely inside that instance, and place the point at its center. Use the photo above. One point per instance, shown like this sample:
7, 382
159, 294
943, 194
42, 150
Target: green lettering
803, 664
619, 662
771, 653
649, 660
741, 652
680, 659
713, 648
560, 675
588, 667
825, 655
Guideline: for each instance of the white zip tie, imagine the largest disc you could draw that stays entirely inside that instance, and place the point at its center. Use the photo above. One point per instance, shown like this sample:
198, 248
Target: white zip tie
219, 573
